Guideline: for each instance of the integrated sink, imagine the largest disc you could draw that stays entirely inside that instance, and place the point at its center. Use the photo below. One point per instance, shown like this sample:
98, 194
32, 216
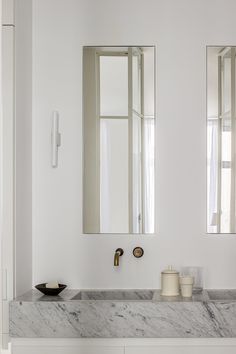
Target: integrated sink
114, 295
222, 295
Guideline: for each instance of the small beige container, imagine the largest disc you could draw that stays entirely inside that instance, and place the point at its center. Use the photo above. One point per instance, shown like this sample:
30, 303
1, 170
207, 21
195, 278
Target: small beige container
169, 282
186, 285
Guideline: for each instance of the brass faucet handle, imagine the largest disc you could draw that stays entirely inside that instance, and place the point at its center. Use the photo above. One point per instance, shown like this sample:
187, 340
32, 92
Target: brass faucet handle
138, 252
118, 253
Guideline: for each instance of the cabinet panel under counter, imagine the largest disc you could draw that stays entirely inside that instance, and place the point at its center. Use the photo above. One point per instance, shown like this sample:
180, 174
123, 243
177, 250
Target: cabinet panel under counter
36, 316
66, 348
181, 350
124, 346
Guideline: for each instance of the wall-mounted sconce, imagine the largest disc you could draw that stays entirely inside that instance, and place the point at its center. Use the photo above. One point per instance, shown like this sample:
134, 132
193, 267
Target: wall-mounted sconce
56, 138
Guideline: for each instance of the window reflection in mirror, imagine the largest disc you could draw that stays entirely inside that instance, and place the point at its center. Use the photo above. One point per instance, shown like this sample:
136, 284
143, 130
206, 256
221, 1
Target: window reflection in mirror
221, 153
119, 140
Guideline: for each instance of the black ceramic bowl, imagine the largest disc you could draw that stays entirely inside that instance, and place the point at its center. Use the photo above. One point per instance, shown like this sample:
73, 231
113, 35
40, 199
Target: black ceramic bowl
50, 291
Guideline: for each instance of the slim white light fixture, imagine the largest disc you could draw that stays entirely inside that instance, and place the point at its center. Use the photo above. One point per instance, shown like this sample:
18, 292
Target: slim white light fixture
56, 138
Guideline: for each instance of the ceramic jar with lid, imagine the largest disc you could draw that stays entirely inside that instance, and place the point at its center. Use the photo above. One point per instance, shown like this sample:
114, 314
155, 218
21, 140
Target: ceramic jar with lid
169, 282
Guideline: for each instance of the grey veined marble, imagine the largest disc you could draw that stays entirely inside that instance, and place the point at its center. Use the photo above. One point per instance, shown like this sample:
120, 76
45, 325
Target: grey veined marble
121, 314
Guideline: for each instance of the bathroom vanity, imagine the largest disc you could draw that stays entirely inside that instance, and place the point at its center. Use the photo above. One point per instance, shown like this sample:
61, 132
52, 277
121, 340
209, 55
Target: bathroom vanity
124, 321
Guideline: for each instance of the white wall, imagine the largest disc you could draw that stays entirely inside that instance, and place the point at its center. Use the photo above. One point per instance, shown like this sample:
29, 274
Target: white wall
180, 30
23, 151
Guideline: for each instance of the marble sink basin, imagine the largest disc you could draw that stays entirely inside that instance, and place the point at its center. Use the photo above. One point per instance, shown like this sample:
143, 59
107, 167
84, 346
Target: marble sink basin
114, 295
222, 295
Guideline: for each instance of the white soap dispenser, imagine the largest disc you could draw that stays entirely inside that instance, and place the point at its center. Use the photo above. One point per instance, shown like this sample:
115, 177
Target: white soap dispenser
169, 282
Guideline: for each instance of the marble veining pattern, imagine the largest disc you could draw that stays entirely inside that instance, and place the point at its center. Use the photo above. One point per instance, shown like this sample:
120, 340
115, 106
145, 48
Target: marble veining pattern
32, 316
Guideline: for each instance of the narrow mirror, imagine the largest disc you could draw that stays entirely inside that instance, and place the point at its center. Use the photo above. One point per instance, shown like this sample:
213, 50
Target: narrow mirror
119, 140
221, 172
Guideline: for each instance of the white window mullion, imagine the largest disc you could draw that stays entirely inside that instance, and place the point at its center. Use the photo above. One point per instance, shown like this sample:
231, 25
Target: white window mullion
232, 194
130, 136
219, 144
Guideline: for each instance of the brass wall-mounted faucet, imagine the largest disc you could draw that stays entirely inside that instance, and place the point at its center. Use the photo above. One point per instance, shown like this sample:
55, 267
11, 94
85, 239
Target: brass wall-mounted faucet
118, 253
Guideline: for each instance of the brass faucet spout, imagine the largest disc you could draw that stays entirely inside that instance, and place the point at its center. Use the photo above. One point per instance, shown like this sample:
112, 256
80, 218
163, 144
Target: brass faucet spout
118, 253
116, 259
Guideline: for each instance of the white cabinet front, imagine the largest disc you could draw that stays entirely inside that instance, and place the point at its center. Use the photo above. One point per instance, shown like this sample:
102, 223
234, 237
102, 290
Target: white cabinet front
181, 350
66, 350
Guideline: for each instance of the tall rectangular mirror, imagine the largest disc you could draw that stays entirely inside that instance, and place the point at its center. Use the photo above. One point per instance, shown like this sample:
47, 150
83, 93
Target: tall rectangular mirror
119, 140
221, 134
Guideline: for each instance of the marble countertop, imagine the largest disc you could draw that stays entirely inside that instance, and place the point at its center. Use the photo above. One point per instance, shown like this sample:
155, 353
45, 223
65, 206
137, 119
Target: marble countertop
35, 295
68, 295
35, 315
